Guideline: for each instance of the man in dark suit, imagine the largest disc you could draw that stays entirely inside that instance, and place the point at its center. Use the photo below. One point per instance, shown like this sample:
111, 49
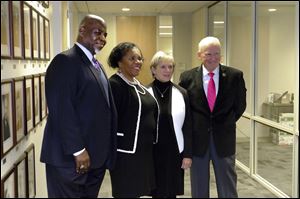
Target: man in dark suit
79, 142
218, 99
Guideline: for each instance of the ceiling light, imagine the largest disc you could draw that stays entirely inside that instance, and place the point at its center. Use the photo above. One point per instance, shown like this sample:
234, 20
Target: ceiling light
165, 33
125, 9
165, 26
272, 9
218, 22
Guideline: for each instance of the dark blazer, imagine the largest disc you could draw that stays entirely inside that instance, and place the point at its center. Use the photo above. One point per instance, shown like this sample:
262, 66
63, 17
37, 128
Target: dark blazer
229, 107
79, 114
187, 124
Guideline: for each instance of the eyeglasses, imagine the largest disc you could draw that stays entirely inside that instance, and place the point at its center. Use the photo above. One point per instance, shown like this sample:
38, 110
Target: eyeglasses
210, 55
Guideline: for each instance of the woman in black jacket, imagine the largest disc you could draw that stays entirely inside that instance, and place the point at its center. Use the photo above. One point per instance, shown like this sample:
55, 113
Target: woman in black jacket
137, 109
173, 152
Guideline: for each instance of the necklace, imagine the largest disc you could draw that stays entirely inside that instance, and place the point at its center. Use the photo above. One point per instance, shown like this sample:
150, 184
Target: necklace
135, 84
162, 93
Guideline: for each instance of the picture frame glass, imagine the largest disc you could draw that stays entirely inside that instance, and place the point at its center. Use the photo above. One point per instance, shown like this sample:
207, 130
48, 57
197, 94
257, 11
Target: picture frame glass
17, 30
27, 32
29, 102
43, 96
9, 190
19, 107
37, 100
35, 32
5, 33
22, 181
31, 173
47, 39
42, 37
7, 117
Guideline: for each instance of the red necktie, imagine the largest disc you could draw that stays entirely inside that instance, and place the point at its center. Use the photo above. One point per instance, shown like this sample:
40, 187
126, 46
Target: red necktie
211, 92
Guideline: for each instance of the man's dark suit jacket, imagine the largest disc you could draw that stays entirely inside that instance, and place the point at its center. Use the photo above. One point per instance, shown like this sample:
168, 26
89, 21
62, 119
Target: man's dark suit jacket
229, 107
79, 114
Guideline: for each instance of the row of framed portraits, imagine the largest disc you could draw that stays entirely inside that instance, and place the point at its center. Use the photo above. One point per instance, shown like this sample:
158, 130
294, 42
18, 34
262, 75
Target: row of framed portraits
19, 181
25, 33
23, 107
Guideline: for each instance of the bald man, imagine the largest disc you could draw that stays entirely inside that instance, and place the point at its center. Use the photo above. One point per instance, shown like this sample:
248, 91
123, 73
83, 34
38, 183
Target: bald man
79, 141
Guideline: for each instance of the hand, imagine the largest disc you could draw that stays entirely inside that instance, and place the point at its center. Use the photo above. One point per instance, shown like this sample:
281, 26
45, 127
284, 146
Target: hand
186, 163
82, 162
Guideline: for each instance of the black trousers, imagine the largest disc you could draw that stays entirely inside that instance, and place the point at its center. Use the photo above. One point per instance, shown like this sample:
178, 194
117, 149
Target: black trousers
66, 183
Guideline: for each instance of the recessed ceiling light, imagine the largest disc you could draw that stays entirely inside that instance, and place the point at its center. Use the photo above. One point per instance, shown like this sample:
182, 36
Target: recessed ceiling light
272, 9
165, 26
218, 22
125, 9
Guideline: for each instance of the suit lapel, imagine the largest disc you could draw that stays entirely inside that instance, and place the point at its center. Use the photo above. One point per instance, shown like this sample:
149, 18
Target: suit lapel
90, 67
222, 82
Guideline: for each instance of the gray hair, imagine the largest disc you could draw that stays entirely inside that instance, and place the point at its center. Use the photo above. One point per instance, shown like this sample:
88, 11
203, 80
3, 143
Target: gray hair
208, 41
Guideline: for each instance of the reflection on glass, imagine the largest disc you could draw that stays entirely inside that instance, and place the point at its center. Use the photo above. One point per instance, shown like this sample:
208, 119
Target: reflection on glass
36, 99
9, 187
47, 39
35, 33
42, 37
275, 157
31, 173
17, 33
19, 109
243, 133
240, 37
216, 20
43, 97
276, 61
29, 100
27, 35
5, 43
22, 180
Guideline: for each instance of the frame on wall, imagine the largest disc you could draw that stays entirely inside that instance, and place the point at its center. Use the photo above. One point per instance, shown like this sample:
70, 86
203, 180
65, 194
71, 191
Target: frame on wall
17, 38
42, 37
35, 33
47, 38
6, 30
21, 177
27, 30
19, 103
29, 103
7, 128
43, 97
30, 165
8, 185
36, 99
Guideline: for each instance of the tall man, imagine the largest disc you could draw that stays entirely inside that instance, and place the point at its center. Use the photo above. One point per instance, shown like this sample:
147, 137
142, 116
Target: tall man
217, 96
80, 136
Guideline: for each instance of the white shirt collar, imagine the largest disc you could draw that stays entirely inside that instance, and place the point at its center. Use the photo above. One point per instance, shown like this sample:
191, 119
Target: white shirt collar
86, 51
216, 71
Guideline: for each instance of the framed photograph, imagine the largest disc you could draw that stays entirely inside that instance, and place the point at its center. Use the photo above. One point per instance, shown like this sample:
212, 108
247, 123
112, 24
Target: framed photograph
47, 39
21, 174
42, 37
20, 122
17, 30
30, 165
35, 33
5, 30
27, 30
36, 99
7, 131
8, 185
43, 97
29, 103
